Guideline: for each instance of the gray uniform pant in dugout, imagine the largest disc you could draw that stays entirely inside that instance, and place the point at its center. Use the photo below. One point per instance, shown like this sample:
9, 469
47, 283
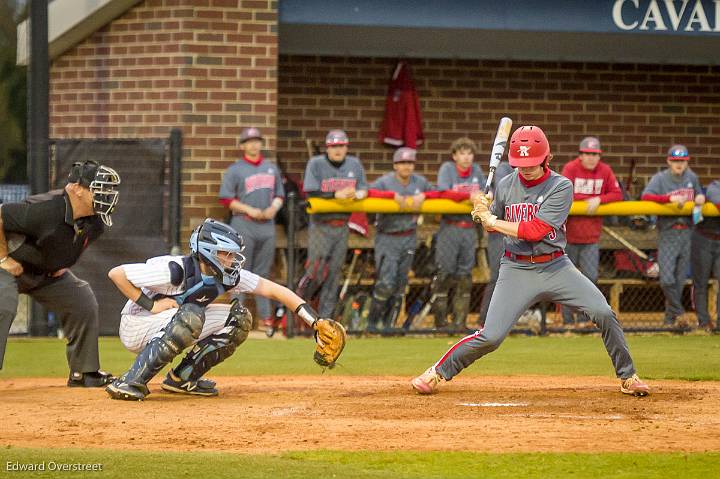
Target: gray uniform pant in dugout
73, 301
674, 261
705, 258
520, 285
327, 246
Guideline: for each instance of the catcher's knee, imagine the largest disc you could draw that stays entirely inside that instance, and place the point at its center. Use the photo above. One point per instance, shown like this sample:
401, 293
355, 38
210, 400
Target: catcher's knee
238, 324
184, 327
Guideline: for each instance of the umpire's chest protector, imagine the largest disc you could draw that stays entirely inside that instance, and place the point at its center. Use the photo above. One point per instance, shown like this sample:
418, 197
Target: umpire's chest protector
199, 289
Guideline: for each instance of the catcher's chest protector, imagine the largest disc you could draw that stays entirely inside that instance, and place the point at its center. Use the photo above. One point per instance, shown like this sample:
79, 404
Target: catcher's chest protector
197, 291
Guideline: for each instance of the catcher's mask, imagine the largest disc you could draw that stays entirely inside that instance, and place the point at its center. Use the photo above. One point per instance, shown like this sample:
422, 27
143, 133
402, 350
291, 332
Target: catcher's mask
102, 181
219, 246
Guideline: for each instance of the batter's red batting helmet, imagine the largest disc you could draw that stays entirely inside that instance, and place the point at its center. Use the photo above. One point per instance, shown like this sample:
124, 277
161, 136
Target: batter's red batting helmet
528, 147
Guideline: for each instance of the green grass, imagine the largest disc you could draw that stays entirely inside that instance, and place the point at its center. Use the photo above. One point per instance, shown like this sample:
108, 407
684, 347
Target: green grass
656, 357
330, 464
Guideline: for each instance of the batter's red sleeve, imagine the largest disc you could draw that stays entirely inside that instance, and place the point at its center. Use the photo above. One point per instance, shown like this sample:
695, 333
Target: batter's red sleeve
534, 230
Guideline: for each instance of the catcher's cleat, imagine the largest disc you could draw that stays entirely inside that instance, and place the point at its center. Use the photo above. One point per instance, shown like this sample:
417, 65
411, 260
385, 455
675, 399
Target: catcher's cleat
427, 382
119, 389
634, 386
201, 387
95, 379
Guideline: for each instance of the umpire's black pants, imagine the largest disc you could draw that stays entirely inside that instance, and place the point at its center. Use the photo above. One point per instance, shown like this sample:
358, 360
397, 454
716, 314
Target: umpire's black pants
73, 301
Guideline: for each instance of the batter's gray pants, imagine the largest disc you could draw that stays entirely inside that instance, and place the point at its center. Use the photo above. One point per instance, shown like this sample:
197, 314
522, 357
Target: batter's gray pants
495, 251
705, 259
328, 244
73, 301
586, 258
673, 260
521, 285
259, 255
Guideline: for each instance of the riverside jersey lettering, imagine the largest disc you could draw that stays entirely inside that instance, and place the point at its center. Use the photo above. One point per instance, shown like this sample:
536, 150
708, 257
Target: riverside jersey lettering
323, 175
549, 201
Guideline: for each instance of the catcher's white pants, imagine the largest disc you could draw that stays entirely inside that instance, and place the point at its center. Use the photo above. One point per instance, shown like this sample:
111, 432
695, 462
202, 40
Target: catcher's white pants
136, 331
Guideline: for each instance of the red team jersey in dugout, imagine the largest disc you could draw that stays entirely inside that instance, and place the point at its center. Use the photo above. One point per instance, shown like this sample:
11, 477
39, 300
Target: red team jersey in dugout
586, 184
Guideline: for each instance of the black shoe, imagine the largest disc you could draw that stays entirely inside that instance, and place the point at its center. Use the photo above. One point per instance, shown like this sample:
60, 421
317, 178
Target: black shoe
201, 387
119, 389
96, 379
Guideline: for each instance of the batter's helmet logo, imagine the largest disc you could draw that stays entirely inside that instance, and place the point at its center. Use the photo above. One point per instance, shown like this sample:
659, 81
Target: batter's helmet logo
524, 150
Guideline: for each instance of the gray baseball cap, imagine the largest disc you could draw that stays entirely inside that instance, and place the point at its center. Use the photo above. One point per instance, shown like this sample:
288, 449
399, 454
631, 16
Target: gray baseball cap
251, 133
678, 152
590, 144
404, 154
336, 137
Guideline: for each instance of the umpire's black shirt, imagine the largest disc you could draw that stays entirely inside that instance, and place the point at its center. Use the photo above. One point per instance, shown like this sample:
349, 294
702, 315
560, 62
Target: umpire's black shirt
53, 240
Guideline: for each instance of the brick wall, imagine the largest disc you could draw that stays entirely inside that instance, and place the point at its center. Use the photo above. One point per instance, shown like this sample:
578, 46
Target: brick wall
206, 66
637, 110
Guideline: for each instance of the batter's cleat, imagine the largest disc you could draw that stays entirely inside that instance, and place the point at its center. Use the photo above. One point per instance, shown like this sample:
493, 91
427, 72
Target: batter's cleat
201, 387
95, 379
119, 389
427, 382
634, 386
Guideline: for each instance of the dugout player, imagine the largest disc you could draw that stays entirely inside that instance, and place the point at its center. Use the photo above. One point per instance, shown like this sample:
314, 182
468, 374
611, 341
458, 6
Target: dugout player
593, 182
677, 184
705, 260
334, 174
457, 237
252, 190
395, 238
530, 210
39, 240
171, 307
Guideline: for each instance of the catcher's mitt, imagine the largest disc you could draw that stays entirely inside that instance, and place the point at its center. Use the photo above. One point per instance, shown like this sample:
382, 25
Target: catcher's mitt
330, 337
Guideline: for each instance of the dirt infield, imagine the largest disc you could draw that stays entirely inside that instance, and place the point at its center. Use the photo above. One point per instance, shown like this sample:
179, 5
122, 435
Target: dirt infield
280, 413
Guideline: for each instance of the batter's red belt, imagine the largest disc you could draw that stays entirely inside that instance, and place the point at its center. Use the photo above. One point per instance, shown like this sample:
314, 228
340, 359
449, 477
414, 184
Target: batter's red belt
460, 224
541, 258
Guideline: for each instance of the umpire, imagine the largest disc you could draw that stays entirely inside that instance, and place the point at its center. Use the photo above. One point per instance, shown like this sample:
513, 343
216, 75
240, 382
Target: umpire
39, 240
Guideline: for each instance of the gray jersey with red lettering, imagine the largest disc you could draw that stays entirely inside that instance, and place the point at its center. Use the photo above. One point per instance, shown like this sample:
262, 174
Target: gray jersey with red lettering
665, 183
450, 180
399, 222
254, 185
321, 174
549, 201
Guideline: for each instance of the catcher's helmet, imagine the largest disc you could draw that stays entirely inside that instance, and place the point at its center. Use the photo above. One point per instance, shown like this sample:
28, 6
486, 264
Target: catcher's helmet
212, 238
528, 147
102, 181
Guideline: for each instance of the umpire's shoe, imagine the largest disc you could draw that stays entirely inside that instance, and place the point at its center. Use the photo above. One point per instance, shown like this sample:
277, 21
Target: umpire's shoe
201, 387
119, 389
95, 379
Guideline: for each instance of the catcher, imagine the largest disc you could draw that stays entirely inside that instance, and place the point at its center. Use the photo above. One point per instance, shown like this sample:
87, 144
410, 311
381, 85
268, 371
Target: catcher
171, 308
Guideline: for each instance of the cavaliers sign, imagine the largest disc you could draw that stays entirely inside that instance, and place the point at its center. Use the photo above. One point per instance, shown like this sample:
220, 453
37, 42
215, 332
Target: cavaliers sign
667, 15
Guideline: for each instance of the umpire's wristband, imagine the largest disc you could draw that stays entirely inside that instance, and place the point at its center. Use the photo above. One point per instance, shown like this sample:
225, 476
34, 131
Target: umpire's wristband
144, 302
307, 314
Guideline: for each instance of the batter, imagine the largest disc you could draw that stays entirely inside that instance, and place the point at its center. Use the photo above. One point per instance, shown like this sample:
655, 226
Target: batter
530, 211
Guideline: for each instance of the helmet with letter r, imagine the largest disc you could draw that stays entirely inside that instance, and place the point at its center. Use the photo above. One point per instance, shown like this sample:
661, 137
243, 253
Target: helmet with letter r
528, 147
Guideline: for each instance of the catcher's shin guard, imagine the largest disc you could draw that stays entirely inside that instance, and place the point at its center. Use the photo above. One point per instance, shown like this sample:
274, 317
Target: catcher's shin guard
183, 329
216, 348
461, 300
439, 288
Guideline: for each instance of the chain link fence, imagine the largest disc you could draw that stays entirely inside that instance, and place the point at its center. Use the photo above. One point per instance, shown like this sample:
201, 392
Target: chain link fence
339, 271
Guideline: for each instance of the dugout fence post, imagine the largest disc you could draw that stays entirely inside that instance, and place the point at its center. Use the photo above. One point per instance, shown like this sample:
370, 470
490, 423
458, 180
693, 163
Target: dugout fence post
291, 253
175, 217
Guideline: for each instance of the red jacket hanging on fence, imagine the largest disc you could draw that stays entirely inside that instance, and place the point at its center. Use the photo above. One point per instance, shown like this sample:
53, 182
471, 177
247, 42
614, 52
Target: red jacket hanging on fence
402, 125
586, 184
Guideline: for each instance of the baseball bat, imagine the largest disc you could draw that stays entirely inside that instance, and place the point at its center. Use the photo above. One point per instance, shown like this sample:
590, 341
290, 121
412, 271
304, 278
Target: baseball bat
498, 149
626, 243
346, 283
